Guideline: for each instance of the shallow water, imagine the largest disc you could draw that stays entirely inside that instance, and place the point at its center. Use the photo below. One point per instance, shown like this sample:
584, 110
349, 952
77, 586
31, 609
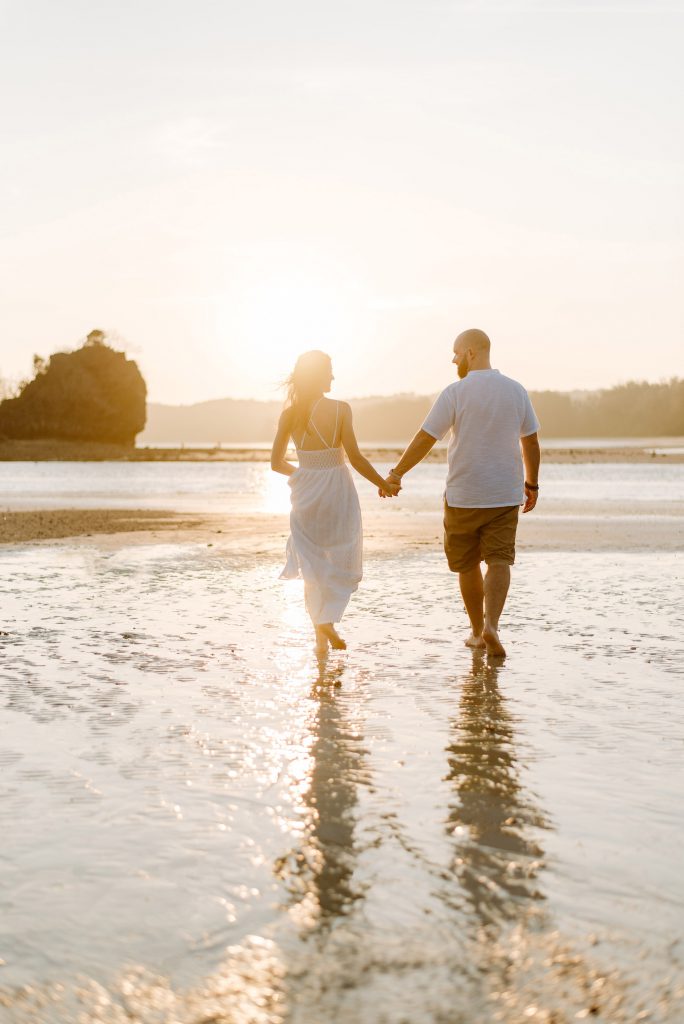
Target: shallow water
200, 819
229, 487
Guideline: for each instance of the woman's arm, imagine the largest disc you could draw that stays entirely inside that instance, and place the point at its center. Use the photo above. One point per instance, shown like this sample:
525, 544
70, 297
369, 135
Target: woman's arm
278, 462
356, 459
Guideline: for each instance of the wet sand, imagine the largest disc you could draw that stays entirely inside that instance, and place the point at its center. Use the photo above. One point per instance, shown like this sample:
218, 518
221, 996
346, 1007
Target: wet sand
18, 527
202, 823
387, 530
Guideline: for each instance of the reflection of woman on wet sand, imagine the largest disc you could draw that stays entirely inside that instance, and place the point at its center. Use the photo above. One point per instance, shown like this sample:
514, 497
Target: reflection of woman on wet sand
319, 872
497, 857
325, 544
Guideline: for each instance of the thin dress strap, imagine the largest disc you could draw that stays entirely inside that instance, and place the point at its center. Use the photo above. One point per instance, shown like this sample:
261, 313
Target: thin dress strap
337, 416
320, 436
308, 424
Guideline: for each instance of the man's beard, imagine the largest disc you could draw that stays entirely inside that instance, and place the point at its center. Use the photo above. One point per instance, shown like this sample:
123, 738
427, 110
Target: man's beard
463, 366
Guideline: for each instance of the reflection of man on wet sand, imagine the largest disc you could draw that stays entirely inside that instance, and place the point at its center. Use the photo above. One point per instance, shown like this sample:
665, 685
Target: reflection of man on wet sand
491, 421
495, 822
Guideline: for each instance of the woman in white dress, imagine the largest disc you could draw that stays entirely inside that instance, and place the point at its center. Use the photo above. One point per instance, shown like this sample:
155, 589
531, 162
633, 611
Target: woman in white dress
326, 540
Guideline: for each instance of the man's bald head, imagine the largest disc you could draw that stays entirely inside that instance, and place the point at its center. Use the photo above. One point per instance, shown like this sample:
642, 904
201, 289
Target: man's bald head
473, 339
471, 351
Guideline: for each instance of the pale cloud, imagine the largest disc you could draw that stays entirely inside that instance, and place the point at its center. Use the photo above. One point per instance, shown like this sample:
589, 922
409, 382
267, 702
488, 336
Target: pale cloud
550, 7
192, 143
401, 302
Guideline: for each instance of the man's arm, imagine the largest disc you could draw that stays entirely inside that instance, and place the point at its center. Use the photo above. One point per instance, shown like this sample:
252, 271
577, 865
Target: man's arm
414, 453
439, 420
531, 454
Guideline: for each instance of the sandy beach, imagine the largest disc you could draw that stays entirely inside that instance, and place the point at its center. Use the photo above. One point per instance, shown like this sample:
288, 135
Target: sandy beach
386, 531
384, 534
201, 822
599, 522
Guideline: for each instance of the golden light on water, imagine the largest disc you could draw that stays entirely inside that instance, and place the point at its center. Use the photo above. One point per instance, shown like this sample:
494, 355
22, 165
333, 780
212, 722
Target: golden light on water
274, 496
295, 619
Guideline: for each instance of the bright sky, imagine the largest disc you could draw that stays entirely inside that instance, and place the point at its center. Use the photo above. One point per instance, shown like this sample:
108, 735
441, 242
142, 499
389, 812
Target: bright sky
225, 184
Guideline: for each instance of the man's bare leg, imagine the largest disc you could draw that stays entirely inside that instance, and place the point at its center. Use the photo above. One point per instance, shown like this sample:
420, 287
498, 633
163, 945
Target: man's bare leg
472, 591
496, 584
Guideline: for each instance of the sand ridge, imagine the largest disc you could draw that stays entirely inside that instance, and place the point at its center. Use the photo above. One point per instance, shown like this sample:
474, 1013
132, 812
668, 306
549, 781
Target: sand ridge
386, 531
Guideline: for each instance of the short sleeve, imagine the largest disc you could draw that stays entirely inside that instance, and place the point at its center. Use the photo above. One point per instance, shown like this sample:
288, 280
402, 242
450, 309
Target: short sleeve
530, 423
442, 415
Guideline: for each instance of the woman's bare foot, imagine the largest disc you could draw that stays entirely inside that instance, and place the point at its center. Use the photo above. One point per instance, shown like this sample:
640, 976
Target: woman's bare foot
491, 638
474, 641
331, 634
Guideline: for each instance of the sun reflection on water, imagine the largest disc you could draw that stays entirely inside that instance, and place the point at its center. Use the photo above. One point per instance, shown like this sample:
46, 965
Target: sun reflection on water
318, 869
319, 763
274, 492
297, 626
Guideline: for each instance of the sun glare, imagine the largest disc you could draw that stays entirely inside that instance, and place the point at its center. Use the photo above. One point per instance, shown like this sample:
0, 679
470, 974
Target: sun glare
279, 316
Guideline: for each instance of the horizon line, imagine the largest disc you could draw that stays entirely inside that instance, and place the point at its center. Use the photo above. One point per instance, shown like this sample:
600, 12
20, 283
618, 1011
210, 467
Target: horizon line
429, 395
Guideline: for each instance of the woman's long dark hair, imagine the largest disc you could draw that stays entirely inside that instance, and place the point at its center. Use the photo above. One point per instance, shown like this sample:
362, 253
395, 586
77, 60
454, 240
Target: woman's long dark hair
305, 383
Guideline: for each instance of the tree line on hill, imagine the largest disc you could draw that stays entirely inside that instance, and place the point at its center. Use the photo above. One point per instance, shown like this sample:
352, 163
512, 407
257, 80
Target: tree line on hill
635, 409
627, 410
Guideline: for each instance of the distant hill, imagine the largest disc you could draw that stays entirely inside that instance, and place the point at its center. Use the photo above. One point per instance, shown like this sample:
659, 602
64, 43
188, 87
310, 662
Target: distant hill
235, 421
635, 409
222, 420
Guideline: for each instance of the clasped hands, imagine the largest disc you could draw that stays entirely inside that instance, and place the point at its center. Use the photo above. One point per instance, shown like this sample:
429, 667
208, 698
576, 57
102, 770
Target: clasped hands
391, 487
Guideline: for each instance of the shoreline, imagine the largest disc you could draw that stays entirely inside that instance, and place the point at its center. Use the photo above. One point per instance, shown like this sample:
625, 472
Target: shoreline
263, 535
76, 451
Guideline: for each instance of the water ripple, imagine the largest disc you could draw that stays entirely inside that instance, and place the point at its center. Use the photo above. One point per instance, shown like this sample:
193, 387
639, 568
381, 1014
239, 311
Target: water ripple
406, 832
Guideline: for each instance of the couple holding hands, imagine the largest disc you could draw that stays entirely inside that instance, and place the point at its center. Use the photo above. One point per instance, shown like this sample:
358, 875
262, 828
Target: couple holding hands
493, 466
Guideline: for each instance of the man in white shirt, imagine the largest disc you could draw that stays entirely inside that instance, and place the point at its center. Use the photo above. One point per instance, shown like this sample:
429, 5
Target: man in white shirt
493, 457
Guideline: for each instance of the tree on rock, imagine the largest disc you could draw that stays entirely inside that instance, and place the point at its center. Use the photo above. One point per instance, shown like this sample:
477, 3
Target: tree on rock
92, 394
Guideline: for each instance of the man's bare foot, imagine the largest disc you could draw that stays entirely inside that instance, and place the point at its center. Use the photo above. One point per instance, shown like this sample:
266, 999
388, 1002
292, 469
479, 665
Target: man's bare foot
331, 634
474, 641
494, 646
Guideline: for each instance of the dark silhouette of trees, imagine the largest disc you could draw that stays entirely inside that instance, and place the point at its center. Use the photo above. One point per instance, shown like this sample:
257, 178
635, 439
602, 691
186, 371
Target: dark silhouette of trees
635, 409
92, 394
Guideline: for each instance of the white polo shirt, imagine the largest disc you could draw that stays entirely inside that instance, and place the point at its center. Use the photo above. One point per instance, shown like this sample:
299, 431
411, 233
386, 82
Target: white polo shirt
487, 415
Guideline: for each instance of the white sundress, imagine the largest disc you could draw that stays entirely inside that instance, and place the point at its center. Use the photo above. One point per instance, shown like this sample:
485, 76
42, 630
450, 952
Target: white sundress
325, 547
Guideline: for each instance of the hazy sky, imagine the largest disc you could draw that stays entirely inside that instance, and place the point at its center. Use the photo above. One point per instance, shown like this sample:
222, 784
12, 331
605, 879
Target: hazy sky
224, 184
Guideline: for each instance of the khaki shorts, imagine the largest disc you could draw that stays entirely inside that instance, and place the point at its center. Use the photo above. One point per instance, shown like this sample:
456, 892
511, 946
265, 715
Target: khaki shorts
472, 535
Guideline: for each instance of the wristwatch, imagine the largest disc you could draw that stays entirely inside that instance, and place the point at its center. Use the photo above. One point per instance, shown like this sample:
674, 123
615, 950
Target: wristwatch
531, 487
394, 473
